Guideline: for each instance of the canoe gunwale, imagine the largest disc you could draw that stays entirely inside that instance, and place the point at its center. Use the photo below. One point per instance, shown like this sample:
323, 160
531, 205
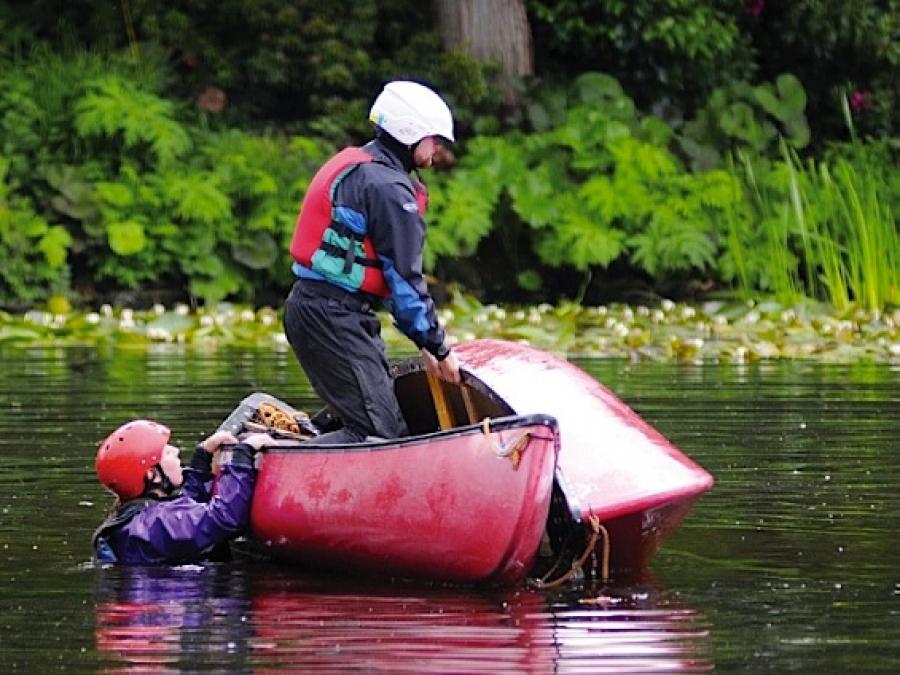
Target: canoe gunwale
494, 425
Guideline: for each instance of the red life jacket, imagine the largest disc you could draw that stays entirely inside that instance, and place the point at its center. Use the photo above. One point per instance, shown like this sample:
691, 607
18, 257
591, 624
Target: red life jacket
324, 244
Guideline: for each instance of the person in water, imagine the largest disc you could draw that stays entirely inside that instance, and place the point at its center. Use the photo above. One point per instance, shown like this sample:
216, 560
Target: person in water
165, 513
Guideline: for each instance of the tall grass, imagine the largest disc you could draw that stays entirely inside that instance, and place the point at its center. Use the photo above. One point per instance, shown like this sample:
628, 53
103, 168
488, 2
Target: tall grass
740, 262
849, 235
759, 244
829, 231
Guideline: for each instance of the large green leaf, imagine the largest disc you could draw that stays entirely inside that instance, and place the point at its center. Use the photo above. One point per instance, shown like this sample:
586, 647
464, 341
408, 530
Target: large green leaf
126, 237
534, 198
55, 246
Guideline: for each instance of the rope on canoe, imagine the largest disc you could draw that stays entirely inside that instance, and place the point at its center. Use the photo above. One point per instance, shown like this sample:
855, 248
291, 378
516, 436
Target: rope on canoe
598, 531
280, 422
513, 451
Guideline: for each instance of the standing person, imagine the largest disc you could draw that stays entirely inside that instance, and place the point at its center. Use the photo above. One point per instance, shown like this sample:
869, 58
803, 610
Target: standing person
165, 513
358, 243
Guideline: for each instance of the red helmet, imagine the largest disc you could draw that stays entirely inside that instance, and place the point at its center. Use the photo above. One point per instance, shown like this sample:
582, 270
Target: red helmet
125, 456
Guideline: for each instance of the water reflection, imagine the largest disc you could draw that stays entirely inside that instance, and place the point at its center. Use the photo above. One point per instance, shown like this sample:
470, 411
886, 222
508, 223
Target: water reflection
235, 616
155, 620
630, 629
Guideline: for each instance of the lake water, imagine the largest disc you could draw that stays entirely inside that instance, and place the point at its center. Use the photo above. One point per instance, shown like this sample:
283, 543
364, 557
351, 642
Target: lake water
790, 563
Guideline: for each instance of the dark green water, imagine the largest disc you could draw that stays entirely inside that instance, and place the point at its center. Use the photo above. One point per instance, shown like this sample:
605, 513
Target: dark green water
790, 564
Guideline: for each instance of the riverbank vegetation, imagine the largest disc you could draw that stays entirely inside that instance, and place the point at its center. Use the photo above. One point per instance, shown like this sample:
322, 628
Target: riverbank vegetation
705, 176
706, 332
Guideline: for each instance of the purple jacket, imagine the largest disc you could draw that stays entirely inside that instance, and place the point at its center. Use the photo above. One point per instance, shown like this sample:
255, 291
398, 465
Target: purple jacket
188, 527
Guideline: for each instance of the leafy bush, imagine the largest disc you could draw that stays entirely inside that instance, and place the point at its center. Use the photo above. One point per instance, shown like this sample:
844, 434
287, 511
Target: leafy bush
598, 186
748, 119
107, 186
836, 48
34, 251
216, 218
666, 53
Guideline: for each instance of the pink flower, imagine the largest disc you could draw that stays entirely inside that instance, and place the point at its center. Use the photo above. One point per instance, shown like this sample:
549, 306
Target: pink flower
754, 7
859, 101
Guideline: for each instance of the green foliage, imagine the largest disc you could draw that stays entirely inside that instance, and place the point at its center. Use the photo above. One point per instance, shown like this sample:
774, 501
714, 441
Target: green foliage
34, 252
112, 177
670, 52
159, 222
135, 196
679, 236
760, 257
744, 118
265, 177
73, 196
836, 48
595, 185
284, 63
827, 228
849, 234
461, 208
20, 122
117, 109
223, 228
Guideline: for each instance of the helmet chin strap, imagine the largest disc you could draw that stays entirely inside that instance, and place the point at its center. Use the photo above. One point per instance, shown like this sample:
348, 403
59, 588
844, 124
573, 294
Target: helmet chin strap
162, 482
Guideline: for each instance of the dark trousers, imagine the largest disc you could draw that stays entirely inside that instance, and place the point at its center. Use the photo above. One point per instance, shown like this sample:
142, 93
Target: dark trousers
336, 337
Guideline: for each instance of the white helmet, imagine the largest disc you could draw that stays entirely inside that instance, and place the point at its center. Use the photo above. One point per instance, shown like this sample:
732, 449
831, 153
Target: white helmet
409, 112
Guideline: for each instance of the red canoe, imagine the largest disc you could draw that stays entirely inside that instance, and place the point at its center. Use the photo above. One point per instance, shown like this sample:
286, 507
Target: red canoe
529, 445
465, 505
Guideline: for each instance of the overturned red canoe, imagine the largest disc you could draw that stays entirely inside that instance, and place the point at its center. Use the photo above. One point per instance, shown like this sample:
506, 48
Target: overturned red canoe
614, 469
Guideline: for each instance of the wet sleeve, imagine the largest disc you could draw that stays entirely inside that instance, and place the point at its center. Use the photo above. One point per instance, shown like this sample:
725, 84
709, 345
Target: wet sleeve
184, 529
198, 476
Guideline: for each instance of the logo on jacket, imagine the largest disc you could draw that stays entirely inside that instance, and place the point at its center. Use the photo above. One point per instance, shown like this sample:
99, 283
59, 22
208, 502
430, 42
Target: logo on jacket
410, 207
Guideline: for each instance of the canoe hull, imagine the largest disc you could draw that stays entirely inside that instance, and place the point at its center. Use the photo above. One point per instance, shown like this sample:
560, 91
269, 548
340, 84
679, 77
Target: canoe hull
446, 506
614, 468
